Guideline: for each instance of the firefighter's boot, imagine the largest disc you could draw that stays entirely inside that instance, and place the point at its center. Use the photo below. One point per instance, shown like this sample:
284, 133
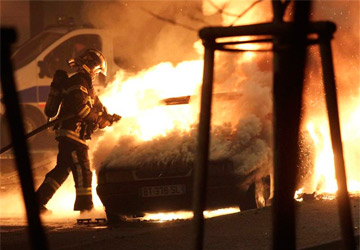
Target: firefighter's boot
83, 200
82, 177
45, 192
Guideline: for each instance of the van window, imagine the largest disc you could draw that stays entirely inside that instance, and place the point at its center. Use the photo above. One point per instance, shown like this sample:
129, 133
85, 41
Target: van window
33, 47
71, 48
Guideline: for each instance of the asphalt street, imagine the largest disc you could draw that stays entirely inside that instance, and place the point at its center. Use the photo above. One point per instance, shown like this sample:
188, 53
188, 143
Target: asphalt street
317, 224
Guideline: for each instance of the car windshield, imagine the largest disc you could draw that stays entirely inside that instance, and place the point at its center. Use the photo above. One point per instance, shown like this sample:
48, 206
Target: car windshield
33, 47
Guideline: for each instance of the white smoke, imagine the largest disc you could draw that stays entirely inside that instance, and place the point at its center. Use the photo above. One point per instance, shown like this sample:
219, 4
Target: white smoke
168, 150
243, 144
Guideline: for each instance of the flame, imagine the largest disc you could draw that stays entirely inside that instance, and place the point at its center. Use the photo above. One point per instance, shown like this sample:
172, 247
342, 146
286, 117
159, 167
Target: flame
96, 200
139, 98
64, 198
298, 193
324, 179
324, 163
184, 215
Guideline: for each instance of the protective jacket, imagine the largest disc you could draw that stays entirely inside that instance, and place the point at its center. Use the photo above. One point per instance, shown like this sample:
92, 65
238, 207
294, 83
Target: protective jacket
80, 102
79, 99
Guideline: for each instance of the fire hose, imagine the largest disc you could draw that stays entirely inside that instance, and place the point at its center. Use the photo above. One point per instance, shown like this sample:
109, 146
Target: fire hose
38, 130
111, 118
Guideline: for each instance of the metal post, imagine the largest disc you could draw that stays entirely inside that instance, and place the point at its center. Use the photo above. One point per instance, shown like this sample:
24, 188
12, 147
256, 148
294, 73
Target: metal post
289, 65
201, 164
344, 208
13, 113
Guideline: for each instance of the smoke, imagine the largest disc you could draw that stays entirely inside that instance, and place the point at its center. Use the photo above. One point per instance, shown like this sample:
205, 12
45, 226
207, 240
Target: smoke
346, 56
243, 144
11, 204
148, 32
11, 198
168, 150
245, 128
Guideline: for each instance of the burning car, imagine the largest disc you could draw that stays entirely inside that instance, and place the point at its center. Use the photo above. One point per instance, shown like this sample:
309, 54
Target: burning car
164, 188
157, 175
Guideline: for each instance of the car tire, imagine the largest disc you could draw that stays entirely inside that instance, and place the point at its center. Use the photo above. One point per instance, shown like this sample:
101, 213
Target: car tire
247, 199
112, 218
256, 196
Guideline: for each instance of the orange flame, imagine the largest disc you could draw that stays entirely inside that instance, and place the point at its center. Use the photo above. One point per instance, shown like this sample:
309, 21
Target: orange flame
184, 215
64, 198
139, 98
324, 179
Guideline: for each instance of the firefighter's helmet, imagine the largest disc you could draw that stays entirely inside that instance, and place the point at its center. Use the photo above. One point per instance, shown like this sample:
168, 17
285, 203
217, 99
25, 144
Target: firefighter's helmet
92, 61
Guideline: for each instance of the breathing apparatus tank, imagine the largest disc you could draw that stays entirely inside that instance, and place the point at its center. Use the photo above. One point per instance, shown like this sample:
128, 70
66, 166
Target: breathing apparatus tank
56, 93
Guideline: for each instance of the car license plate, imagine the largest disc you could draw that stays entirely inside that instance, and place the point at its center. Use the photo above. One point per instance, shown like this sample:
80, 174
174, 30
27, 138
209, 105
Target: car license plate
162, 190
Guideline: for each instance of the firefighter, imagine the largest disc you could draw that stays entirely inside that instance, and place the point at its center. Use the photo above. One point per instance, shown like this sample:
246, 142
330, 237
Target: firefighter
78, 101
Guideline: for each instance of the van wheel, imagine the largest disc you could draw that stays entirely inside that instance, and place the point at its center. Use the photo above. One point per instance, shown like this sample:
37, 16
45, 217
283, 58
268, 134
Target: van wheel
4, 132
29, 124
32, 121
257, 195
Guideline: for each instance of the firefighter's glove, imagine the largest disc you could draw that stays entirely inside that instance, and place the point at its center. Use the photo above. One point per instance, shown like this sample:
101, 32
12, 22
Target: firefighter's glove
114, 118
107, 120
103, 122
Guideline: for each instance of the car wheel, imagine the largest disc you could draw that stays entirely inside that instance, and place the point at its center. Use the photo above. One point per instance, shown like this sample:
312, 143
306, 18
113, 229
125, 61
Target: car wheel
112, 218
256, 196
